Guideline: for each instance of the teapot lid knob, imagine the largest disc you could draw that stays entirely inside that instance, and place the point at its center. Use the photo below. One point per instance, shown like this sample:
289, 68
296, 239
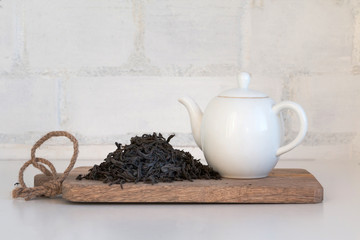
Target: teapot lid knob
244, 80
242, 91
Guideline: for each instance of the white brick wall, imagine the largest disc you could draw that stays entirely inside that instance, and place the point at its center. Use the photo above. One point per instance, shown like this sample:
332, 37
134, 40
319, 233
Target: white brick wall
69, 35
308, 36
27, 105
7, 36
106, 70
200, 33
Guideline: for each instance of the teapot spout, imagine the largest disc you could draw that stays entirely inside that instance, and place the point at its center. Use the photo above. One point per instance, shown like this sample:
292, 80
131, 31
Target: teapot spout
195, 117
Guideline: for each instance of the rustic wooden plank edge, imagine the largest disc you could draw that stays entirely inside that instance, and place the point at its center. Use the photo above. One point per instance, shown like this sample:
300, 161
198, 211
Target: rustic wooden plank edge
282, 186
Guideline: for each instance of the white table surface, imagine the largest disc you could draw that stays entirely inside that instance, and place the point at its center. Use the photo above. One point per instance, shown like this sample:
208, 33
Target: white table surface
338, 217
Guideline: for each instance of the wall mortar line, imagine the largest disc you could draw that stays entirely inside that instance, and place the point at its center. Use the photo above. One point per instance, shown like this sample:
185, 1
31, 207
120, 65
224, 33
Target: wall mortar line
21, 60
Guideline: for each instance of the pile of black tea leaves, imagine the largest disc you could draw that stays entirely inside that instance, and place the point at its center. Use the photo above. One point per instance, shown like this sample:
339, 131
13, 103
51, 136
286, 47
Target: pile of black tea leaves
149, 159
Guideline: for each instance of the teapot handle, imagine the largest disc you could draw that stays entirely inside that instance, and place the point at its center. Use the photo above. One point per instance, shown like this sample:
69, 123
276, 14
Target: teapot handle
303, 125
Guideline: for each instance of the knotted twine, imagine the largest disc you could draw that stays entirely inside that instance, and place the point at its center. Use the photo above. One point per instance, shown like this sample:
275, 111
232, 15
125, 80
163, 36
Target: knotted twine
52, 187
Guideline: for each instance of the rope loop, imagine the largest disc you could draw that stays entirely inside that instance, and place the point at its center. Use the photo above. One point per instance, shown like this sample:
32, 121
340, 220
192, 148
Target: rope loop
51, 188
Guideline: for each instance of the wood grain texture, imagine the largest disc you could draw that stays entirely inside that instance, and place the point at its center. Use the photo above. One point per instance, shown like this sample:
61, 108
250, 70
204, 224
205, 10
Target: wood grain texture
281, 186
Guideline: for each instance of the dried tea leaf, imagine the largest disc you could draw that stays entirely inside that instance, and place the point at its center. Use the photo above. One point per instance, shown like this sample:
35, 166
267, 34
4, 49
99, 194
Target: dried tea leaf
149, 159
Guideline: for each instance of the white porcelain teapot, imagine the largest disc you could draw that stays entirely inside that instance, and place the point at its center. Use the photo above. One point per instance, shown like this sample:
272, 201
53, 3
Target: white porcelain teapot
240, 132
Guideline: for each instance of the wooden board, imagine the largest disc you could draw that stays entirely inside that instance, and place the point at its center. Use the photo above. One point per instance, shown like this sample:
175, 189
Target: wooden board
282, 186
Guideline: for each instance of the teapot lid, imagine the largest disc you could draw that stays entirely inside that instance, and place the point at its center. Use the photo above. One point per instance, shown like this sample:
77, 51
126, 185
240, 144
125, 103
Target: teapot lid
242, 91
